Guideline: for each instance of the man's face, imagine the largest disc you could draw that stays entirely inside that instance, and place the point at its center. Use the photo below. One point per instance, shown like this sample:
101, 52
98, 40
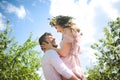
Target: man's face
51, 40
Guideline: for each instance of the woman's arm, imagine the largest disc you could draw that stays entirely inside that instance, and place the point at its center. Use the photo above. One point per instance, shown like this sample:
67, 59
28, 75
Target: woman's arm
66, 43
64, 50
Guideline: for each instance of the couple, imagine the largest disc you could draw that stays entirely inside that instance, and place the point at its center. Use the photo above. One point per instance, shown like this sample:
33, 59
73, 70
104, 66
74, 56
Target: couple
62, 63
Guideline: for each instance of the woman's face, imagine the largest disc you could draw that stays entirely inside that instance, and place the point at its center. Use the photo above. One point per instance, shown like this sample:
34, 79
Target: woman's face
59, 28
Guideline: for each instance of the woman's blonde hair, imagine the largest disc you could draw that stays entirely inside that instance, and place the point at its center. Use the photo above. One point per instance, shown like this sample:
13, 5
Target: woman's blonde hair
64, 21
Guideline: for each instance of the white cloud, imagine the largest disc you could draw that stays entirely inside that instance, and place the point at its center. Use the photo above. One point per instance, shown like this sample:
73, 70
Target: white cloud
9, 8
29, 16
2, 25
87, 16
108, 7
81, 11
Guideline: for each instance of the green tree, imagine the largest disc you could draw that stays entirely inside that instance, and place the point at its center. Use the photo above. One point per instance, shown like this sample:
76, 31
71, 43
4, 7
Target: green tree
108, 54
18, 62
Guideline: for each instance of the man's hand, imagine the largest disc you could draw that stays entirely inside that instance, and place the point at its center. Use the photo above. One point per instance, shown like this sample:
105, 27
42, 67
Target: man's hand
74, 78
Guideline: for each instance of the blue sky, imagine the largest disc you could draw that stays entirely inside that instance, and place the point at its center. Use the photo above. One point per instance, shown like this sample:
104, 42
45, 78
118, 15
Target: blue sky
32, 16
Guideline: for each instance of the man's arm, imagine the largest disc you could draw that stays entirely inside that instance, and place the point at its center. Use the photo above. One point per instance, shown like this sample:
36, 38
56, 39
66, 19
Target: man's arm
60, 67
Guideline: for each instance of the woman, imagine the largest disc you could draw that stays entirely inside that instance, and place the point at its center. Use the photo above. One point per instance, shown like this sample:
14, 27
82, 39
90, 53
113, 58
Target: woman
70, 45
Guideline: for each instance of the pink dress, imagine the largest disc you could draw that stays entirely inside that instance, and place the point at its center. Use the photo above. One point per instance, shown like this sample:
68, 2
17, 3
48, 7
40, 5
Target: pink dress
72, 60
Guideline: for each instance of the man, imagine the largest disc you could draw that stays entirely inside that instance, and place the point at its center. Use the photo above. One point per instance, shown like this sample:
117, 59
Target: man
53, 67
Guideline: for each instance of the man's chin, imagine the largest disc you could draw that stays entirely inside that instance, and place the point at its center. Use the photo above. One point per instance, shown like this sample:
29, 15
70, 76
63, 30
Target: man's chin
55, 46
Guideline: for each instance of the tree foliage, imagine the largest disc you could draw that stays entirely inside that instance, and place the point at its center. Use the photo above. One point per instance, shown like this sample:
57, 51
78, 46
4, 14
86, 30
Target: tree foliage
18, 62
108, 54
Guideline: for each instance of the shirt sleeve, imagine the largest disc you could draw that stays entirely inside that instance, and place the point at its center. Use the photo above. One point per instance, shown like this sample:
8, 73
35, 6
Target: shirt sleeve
58, 64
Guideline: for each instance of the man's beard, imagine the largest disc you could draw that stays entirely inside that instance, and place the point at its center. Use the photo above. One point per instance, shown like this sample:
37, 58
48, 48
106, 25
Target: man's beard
54, 43
55, 46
